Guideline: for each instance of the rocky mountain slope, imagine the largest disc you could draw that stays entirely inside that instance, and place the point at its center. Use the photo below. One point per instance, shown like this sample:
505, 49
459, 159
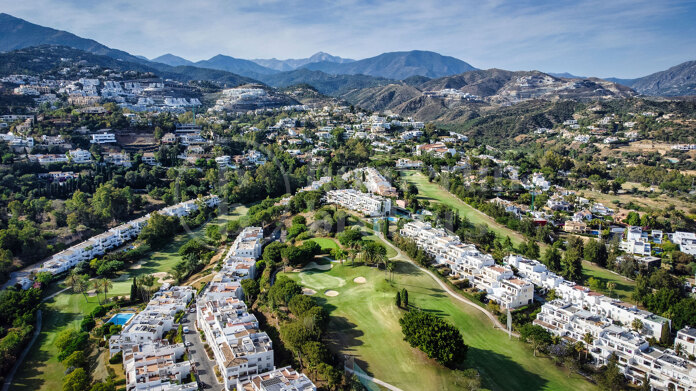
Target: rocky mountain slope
398, 65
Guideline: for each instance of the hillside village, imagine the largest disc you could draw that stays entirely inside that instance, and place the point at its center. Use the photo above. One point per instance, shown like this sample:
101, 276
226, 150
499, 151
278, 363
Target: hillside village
335, 224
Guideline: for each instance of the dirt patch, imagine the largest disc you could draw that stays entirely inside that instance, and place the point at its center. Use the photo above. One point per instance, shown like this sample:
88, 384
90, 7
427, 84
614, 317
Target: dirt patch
359, 280
331, 293
308, 292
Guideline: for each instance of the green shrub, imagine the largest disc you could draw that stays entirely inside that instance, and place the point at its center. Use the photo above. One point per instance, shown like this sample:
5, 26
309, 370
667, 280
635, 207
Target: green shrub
116, 358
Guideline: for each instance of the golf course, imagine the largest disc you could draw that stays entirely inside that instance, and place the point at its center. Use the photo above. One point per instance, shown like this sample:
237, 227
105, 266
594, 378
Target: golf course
365, 324
42, 370
432, 192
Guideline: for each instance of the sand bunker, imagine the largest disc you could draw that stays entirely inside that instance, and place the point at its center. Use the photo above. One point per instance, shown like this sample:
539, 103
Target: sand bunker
163, 277
91, 293
359, 280
137, 265
331, 293
314, 265
308, 292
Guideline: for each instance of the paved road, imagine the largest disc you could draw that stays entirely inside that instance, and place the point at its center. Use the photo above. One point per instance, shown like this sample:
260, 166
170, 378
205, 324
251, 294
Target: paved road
447, 289
197, 355
37, 331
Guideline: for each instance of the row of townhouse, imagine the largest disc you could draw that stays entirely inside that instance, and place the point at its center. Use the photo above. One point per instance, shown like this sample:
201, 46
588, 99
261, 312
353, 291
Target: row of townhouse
537, 273
150, 362
369, 205
637, 359
243, 353
115, 237
464, 260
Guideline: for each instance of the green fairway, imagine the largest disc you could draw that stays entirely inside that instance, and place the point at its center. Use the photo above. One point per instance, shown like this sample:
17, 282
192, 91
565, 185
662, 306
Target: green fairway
433, 192
41, 370
364, 323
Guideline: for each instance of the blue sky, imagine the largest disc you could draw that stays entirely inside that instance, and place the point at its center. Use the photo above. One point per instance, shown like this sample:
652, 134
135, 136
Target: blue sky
585, 37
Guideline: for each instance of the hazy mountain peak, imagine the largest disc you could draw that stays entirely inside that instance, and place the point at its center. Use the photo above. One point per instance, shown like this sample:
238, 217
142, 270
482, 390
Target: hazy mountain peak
172, 60
398, 65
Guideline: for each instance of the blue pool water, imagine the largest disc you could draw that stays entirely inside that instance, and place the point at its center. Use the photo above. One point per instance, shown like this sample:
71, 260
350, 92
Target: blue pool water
121, 319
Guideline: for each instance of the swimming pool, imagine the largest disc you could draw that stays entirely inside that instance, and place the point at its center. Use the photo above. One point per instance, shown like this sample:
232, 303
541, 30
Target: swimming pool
121, 319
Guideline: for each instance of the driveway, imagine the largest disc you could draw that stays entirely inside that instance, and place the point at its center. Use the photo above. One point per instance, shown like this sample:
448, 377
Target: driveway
204, 366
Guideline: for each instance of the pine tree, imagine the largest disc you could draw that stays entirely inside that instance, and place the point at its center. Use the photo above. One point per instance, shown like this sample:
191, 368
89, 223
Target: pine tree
398, 299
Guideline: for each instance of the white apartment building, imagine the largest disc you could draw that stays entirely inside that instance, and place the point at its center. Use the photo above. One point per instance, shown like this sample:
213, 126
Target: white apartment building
241, 350
466, 261
117, 236
103, 138
369, 205
635, 356
248, 244
80, 156
281, 379
157, 366
685, 240
686, 340
150, 325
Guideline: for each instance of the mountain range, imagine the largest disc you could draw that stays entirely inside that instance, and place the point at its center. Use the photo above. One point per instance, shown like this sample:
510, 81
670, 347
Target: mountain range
679, 80
331, 74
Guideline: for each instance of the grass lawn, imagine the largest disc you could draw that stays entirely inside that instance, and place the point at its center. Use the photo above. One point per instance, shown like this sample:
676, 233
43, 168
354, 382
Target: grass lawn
325, 243
624, 286
41, 370
433, 192
364, 323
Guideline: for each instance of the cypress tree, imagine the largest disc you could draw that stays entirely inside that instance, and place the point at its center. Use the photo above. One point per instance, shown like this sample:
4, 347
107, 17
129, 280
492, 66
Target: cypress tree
404, 297
134, 290
398, 299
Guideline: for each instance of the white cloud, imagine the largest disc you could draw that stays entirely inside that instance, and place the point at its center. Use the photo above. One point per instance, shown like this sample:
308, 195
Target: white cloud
593, 37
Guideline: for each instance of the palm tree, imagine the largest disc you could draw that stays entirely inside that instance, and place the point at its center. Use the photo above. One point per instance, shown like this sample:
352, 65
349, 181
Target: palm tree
587, 339
390, 267
106, 284
77, 283
96, 284
145, 282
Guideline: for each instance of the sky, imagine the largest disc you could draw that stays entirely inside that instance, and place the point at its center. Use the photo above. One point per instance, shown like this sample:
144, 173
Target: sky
603, 38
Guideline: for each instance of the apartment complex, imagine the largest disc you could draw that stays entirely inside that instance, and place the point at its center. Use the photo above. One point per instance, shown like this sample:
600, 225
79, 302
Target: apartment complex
158, 366
635, 357
369, 205
243, 353
466, 262
115, 237
152, 323
150, 362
